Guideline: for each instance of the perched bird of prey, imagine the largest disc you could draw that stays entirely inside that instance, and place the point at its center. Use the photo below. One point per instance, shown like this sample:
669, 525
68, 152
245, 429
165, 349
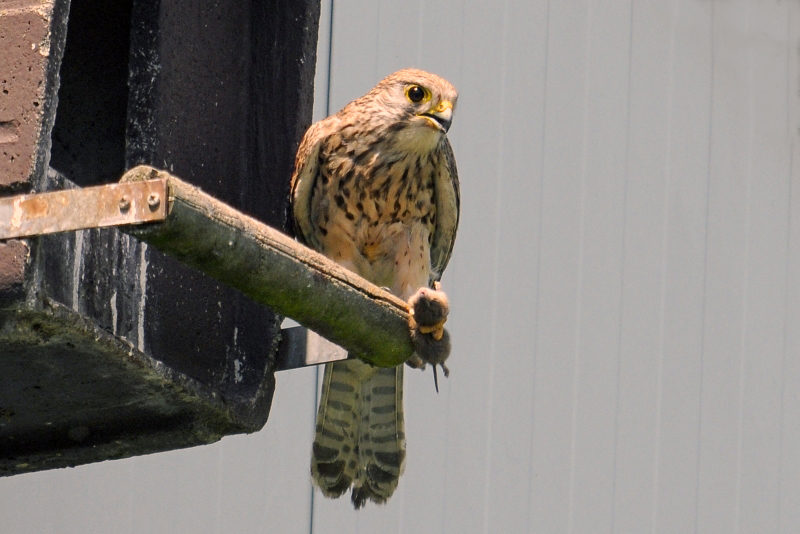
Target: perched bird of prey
375, 189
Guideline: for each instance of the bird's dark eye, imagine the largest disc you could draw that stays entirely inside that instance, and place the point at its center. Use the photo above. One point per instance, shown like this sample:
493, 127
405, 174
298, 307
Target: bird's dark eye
415, 93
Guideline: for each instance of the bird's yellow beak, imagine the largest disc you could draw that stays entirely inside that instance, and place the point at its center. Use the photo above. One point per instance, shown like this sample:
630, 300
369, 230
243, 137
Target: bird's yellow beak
441, 117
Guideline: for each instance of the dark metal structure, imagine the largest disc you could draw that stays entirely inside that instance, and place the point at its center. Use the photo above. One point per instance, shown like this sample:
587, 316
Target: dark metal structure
108, 348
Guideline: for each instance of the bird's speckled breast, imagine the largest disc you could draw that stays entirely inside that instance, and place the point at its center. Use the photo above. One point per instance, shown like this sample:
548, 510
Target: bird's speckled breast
371, 193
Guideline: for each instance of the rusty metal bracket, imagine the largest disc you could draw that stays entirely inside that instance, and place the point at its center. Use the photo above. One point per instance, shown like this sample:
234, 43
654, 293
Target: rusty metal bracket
78, 209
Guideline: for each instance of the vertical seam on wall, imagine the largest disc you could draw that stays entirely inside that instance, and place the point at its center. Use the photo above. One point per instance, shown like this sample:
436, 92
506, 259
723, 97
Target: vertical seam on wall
705, 273
787, 268
327, 63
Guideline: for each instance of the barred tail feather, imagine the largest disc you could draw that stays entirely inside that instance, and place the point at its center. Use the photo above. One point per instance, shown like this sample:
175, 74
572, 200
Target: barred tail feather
334, 459
360, 436
381, 437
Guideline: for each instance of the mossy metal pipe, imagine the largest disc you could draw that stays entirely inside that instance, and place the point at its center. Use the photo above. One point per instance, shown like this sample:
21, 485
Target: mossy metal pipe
276, 271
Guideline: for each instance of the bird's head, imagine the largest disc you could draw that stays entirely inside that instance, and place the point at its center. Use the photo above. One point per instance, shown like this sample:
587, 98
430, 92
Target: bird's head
417, 99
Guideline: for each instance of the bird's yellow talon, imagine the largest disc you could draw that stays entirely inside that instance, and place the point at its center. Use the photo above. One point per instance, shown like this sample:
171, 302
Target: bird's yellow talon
436, 329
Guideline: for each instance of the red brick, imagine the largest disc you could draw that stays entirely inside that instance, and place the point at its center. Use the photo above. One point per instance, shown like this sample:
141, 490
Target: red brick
13, 260
25, 45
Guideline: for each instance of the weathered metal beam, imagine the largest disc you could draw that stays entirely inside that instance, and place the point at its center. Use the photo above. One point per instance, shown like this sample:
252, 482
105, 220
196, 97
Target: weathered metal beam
78, 209
261, 262
274, 270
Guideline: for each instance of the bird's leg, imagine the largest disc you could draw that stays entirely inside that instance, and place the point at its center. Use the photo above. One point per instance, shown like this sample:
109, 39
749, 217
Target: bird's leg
428, 309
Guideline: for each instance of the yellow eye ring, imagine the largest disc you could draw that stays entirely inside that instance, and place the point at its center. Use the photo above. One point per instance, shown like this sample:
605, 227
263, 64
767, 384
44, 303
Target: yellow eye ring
417, 93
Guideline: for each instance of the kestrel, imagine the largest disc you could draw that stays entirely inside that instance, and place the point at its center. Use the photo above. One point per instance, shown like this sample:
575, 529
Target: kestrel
375, 188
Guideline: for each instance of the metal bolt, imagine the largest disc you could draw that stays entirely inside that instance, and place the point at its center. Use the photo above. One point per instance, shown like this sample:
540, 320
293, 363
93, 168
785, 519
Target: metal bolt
153, 201
124, 203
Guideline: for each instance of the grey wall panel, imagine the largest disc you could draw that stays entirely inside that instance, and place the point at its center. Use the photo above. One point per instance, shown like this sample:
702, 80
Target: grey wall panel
678, 140
621, 281
662, 275
749, 185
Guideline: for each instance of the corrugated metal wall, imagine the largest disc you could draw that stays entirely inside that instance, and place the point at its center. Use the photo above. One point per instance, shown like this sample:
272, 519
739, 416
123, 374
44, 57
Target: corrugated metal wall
625, 290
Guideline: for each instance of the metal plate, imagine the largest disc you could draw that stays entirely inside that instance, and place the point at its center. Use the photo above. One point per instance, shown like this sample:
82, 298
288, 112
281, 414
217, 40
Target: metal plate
77, 209
300, 347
